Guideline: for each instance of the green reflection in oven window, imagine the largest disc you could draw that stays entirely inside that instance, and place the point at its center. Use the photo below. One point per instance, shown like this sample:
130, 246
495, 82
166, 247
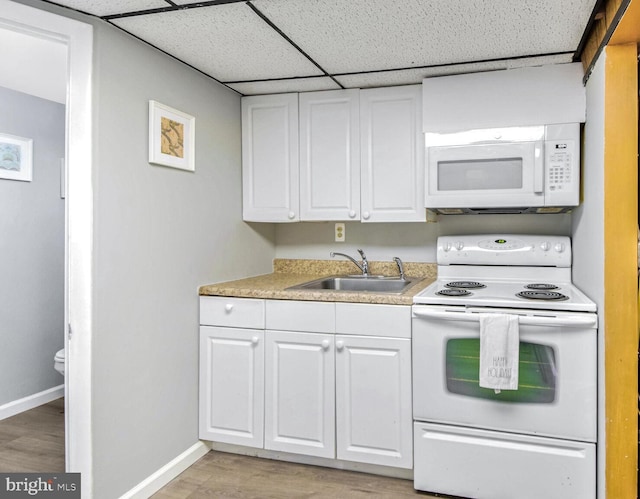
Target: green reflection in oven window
536, 377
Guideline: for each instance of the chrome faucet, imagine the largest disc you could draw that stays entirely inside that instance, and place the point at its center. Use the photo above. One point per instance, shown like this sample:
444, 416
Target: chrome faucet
364, 266
400, 267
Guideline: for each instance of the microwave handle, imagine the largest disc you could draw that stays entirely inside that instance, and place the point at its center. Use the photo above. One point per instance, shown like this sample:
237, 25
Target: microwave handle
588, 320
538, 168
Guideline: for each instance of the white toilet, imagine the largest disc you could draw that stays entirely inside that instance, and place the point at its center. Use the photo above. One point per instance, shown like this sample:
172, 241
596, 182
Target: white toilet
58, 361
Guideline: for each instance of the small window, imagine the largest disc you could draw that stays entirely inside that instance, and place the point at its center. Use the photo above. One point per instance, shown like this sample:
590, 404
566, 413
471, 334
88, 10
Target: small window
537, 374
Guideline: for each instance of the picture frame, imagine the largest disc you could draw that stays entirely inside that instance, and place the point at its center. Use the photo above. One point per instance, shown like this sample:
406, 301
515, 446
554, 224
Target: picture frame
171, 137
16, 158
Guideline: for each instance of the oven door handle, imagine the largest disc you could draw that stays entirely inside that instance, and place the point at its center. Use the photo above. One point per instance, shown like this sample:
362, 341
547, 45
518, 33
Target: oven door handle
589, 320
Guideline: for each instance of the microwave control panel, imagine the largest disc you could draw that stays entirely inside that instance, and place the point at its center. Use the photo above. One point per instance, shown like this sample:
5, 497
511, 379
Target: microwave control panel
562, 172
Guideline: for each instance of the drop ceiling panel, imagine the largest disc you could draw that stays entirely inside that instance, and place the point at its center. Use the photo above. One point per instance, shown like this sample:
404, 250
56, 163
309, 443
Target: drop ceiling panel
411, 76
102, 8
284, 86
229, 42
366, 35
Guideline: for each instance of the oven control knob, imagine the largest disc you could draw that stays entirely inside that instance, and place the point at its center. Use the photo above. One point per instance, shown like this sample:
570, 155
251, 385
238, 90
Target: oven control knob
459, 245
559, 247
446, 246
545, 246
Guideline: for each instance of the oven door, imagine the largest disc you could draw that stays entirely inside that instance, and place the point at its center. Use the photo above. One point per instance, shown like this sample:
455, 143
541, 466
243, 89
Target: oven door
507, 174
557, 389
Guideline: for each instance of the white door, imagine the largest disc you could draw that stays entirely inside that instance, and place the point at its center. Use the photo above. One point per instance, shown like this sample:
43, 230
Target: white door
392, 154
232, 385
300, 395
373, 400
557, 391
270, 158
330, 155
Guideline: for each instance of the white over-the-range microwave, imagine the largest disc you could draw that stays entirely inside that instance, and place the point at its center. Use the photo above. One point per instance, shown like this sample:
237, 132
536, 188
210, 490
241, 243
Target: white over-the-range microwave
532, 169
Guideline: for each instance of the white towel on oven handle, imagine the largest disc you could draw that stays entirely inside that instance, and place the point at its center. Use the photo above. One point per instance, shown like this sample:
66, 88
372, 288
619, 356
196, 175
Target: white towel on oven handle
499, 351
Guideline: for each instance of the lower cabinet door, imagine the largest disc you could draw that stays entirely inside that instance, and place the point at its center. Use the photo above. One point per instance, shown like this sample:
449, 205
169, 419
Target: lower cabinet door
373, 400
299, 393
232, 385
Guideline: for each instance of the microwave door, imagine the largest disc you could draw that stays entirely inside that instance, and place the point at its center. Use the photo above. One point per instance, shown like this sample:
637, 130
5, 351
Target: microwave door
485, 176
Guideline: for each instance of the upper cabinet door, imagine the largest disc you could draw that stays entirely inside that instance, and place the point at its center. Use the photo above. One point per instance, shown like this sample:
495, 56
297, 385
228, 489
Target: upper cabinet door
392, 152
330, 155
270, 158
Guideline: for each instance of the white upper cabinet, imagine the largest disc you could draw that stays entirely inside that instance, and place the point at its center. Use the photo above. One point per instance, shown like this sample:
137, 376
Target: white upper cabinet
542, 95
270, 158
392, 154
330, 155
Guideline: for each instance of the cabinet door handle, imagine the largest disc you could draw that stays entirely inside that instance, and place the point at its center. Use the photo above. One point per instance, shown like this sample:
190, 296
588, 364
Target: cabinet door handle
292, 215
325, 344
254, 340
366, 215
352, 214
228, 307
339, 345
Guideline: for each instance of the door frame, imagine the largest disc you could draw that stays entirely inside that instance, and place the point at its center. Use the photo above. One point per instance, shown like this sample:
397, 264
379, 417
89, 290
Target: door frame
78, 37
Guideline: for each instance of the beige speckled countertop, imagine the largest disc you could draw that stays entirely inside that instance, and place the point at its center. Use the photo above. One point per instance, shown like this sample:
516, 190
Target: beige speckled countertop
288, 272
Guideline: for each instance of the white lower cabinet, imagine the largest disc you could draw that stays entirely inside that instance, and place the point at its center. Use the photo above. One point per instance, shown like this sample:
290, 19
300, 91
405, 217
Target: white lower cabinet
373, 400
232, 385
299, 393
312, 391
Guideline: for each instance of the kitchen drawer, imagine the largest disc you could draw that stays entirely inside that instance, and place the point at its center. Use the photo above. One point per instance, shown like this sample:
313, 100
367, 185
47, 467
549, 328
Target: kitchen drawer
304, 316
231, 312
373, 320
484, 464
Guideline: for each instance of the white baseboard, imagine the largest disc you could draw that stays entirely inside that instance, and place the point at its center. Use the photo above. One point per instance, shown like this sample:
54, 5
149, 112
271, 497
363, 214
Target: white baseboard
168, 472
26, 403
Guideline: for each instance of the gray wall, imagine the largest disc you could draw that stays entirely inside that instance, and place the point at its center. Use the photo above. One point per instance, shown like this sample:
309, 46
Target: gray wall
159, 234
588, 235
413, 242
32, 249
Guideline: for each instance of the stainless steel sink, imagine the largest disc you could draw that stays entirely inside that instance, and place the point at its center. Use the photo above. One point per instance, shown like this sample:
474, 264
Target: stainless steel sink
357, 283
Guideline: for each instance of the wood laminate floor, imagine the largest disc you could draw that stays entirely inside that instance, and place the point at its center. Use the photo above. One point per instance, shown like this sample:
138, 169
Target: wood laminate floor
223, 475
33, 441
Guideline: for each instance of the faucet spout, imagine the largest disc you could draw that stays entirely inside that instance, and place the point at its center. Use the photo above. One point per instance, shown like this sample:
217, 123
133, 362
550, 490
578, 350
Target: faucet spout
364, 266
400, 267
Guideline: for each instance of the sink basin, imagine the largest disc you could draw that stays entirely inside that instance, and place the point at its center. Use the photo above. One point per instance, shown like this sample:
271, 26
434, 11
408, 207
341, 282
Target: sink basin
357, 283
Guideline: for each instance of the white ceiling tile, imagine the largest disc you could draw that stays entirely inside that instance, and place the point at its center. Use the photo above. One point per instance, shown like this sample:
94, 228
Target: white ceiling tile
412, 76
363, 35
284, 86
102, 8
229, 42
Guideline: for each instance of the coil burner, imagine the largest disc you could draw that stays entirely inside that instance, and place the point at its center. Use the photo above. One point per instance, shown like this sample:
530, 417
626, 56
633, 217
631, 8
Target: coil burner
453, 292
541, 286
465, 285
542, 295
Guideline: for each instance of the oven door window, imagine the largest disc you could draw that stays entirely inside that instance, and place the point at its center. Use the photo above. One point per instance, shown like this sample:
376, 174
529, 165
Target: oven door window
537, 375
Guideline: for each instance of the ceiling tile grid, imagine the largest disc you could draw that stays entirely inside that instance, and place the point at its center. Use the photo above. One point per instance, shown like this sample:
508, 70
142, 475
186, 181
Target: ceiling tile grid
345, 36
273, 46
101, 8
229, 42
284, 86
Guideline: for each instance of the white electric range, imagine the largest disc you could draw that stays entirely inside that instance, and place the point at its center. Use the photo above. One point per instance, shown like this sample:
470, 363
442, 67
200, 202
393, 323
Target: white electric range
475, 442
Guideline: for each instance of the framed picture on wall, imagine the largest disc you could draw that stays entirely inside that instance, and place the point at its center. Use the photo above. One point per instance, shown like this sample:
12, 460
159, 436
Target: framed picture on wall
16, 156
171, 137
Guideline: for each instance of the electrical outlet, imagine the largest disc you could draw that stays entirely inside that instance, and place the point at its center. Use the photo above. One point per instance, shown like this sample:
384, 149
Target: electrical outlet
339, 233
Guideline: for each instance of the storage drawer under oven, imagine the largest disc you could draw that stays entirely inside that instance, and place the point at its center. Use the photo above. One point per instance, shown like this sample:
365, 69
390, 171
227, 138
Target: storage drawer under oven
486, 464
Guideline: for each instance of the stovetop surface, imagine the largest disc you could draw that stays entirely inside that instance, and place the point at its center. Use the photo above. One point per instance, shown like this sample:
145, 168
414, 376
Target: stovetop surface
503, 293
